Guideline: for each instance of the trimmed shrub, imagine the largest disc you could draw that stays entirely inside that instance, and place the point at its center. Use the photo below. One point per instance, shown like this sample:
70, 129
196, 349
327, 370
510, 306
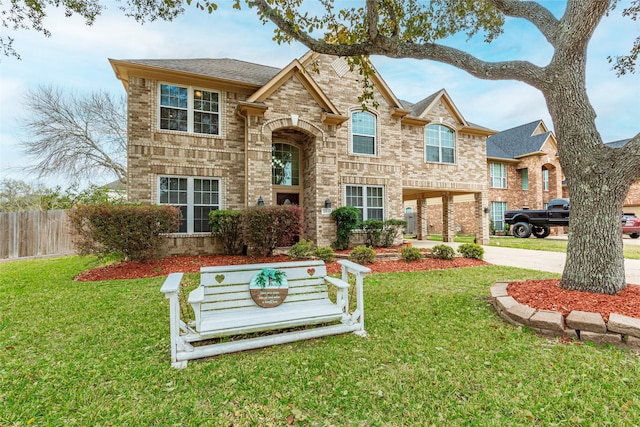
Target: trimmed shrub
410, 253
267, 227
324, 253
363, 255
227, 226
347, 219
134, 231
373, 230
471, 250
391, 229
301, 250
443, 252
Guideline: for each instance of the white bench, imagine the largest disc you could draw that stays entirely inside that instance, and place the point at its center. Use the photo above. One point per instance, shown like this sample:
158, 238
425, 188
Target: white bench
223, 307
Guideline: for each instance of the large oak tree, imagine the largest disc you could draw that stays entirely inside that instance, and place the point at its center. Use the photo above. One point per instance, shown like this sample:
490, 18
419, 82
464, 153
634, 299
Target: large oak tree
598, 177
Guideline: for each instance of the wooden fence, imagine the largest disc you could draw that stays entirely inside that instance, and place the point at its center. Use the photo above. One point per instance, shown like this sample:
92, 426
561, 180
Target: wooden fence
34, 234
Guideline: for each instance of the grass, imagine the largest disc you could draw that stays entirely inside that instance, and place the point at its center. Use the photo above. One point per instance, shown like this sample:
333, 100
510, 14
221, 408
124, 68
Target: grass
551, 245
78, 354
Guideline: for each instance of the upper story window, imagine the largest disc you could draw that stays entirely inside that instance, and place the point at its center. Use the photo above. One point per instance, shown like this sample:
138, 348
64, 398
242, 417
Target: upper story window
195, 197
368, 199
441, 144
187, 109
285, 164
524, 173
363, 133
545, 179
498, 175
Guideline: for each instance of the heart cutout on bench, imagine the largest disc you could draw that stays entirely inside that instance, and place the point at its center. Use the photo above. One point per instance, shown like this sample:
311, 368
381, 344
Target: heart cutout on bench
219, 278
311, 271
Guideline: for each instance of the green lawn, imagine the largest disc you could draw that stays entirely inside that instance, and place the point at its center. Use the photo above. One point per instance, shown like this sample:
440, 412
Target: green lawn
80, 354
630, 251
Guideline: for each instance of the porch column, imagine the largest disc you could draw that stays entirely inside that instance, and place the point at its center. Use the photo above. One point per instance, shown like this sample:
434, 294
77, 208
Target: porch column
421, 219
448, 229
482, 218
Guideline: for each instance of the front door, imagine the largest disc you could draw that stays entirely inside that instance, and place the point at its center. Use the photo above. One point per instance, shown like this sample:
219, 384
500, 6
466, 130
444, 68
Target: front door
287, 198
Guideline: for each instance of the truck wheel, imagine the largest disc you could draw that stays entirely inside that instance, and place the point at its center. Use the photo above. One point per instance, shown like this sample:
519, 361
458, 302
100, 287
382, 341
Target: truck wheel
541, 232
521, 229
634, 235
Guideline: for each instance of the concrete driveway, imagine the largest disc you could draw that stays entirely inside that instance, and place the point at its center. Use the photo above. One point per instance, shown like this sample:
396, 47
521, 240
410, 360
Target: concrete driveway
538, 260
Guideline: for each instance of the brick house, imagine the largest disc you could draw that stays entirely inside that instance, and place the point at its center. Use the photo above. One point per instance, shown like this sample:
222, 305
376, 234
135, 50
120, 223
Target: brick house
207, 134
523, 170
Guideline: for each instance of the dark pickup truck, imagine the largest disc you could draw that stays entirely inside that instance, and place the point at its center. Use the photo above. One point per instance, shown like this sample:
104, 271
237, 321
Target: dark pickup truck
526, 222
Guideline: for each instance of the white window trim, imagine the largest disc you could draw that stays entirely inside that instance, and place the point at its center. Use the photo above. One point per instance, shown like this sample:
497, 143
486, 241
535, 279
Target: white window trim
455, 146
495, 211
352, 133
190, 110
502, 178
190, 199
364, 199
545, 179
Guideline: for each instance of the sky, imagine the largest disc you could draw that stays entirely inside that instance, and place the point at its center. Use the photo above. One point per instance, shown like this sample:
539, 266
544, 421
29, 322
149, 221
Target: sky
75, 58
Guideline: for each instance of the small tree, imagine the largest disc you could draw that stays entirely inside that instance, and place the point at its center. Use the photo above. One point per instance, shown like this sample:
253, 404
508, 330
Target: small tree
347, 219
391, 229
373, 231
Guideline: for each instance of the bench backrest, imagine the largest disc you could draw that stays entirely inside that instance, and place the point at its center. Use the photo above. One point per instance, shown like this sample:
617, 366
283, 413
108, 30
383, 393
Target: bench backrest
227, 287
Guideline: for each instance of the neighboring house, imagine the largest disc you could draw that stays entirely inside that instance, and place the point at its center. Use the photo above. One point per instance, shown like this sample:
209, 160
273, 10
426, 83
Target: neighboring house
523, 169
208, 134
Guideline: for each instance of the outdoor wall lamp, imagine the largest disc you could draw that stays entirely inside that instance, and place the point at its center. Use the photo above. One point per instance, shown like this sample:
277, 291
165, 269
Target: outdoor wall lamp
260, 201
486, 210
327, 204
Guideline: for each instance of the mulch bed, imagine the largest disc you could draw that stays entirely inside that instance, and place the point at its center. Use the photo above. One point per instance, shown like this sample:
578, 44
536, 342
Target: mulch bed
547, 295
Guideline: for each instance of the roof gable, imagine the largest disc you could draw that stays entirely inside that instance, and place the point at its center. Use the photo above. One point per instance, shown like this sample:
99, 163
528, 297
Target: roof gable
519, 141
423, 107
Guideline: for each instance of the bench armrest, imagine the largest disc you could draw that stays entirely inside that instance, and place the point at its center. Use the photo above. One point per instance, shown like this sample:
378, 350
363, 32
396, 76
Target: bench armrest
196, 296
338, 283
171, 284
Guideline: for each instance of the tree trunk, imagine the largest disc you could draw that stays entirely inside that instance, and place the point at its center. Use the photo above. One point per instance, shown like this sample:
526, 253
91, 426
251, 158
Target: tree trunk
598, 180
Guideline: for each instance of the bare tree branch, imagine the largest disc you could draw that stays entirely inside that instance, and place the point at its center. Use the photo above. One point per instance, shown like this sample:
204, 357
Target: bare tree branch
76, 137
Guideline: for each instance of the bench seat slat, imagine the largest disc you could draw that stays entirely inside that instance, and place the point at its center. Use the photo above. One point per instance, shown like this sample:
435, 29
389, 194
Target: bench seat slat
248, 302
258, 318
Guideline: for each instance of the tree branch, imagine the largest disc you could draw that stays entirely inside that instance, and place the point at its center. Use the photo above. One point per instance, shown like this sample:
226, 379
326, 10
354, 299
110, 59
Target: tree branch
533, 12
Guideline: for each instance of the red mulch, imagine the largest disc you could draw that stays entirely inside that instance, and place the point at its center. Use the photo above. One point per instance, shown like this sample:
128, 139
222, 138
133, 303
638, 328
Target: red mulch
547, 295
191, 264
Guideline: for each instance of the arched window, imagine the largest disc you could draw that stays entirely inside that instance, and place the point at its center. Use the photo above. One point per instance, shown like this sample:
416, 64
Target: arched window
363, 133
441, 144
285, 164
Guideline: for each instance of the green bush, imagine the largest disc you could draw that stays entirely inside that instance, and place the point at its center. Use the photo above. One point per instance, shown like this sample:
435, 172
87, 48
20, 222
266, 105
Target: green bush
373, 230
301, 250
134, 231
443, 252
227, 226
347, 219
363, 255
471, 250
267, 227
324, 253
410, 253
391, 229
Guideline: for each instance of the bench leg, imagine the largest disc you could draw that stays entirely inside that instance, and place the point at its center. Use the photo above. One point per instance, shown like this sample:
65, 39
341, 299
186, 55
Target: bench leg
180, 365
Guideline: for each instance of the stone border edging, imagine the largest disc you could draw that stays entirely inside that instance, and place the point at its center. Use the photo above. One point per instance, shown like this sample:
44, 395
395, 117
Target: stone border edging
579, 325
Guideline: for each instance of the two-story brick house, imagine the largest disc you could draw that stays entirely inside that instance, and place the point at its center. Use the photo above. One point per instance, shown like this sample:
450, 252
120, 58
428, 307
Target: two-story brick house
208, 134
523, 169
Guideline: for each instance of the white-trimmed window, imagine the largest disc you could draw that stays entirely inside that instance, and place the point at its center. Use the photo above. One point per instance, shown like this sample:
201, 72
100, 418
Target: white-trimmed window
195, 197
498, 175
545, 179
440, 144
497, 214
188, 109
368, 199
363, 133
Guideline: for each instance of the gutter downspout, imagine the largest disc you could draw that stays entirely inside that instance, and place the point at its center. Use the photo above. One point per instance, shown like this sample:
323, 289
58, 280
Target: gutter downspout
246, 156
